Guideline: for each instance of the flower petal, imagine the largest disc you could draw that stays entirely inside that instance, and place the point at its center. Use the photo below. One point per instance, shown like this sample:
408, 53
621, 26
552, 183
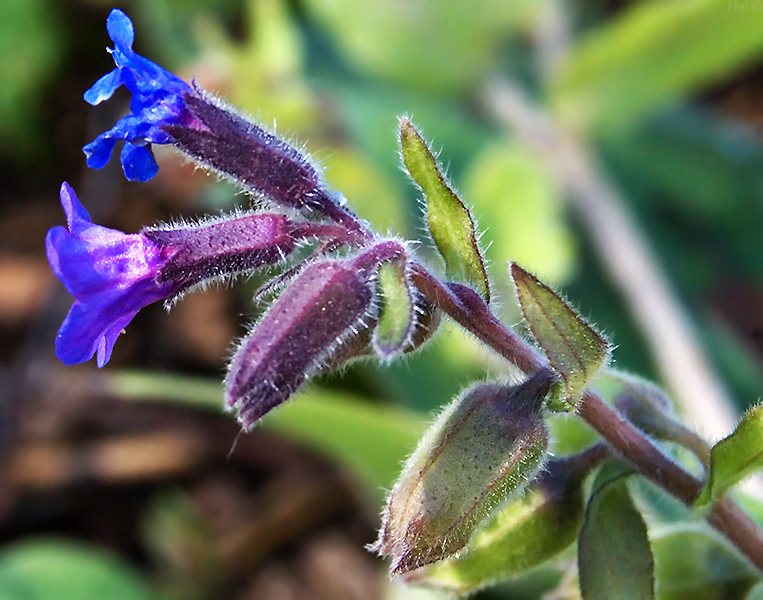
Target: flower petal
104, 88
120, 28
138, 162
77, 217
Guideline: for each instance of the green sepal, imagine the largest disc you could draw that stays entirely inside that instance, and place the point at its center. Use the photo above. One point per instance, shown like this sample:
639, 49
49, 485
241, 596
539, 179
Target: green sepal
397, 311
483, 448
452, 227
575, 350
734, 457
614, 555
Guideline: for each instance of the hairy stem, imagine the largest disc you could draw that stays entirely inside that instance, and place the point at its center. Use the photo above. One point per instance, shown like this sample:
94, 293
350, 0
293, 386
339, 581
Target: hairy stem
469, 310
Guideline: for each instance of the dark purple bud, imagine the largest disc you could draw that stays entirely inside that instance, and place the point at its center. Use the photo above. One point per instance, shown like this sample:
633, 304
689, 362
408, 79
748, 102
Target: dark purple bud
228, 143
327, 303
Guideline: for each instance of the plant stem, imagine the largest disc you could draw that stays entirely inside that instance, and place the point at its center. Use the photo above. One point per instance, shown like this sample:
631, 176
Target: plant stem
626, 256
468, 309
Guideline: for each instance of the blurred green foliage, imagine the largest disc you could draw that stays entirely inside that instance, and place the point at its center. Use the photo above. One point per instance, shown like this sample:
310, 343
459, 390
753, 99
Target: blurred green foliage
52, 569
31, 44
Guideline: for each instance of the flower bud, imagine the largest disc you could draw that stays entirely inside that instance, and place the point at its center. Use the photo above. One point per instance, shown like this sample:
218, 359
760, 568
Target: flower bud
327, 303
482, 449
532, 528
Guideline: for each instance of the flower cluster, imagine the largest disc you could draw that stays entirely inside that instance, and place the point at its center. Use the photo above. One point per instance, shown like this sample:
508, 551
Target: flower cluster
333, 308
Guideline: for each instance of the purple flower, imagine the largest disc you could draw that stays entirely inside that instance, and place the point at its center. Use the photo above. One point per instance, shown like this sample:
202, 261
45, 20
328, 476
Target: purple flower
112, 275
167, 110
157, 99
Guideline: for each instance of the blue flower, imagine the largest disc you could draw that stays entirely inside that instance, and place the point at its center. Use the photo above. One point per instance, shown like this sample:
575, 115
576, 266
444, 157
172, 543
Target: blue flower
112, 275
157, 99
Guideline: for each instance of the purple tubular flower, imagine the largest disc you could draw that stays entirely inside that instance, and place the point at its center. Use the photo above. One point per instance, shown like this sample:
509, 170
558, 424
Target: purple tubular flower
167, 110
157, 99
324, 305
112, 275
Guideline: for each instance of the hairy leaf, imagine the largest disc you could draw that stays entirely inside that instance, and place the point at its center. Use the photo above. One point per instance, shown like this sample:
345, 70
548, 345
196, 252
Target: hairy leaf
449, 221
575, 350
735, 457
614, 556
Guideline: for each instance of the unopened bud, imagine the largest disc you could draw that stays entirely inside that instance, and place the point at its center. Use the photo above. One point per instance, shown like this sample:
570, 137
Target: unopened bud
483, 448
532, 528
320, 309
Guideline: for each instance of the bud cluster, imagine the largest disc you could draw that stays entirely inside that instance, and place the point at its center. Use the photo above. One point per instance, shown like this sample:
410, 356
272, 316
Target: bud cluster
335, 307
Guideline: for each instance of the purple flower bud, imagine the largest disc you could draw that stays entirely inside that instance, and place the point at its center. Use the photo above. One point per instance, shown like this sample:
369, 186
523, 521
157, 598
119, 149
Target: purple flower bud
325, 304
112, 275
238, 148
157, 99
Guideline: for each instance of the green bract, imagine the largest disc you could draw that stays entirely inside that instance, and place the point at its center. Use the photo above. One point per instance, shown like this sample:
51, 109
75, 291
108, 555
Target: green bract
575, 350
735, 457
449, 221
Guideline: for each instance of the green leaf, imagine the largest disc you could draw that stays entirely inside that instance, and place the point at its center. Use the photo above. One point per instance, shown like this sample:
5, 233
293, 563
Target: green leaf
527, 532
614, 557
397, 317
734, 457
575, 350
691, 561
49, 569
653, 54
449, 221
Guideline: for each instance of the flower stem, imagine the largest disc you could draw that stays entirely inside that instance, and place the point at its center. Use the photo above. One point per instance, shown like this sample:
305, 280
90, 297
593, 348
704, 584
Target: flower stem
469, 310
